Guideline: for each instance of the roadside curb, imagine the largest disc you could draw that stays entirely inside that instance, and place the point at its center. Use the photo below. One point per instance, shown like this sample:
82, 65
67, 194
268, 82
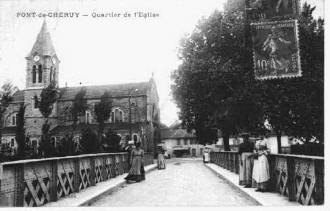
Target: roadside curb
233, 185
93, 193
264, 199
113, 189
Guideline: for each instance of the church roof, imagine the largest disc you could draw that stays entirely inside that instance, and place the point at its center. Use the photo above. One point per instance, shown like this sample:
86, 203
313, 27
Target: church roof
115, 90
18, 96
43, 44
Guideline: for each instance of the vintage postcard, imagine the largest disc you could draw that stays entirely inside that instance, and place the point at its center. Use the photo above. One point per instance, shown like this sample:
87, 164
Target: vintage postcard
162, 103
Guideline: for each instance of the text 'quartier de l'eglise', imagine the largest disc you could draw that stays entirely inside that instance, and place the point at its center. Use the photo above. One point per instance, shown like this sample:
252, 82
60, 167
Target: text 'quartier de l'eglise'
124, 15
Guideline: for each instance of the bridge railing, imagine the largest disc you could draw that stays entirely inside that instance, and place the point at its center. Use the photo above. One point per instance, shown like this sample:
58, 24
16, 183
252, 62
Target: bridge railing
36, 182
300, 178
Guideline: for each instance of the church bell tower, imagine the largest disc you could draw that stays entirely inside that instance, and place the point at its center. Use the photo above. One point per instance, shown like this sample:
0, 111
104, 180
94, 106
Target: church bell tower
42, 62
41, 70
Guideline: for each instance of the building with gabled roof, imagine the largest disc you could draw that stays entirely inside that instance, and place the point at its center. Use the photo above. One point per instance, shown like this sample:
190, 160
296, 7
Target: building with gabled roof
42, 69
179, 142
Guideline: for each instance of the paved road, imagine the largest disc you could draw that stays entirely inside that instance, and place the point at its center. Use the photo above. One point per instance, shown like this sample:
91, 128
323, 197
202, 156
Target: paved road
182, 183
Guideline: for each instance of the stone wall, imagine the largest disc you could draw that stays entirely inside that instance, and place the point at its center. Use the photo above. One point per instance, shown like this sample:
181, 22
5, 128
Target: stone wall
33, 117
138, 110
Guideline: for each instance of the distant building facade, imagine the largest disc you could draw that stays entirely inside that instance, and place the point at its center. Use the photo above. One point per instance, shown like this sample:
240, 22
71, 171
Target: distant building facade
180, 143
43, 68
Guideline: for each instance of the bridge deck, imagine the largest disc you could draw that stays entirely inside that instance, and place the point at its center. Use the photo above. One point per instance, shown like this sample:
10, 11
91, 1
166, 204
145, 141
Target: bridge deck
265, 198
182, 183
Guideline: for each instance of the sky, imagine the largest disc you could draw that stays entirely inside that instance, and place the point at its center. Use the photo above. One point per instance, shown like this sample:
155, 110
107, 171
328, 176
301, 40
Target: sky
110, 50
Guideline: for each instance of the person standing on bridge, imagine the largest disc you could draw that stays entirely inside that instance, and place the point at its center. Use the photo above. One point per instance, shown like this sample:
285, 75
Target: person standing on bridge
161, 158
136, 172
261, 167
129, 148
245, 150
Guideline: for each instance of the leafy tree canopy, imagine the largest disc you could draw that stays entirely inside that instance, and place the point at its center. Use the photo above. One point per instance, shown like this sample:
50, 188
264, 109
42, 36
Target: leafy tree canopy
66, 146
214, 87
6, 93
103, 109
89, 141
6, 96
295, 106
79, 106
48, 97
20, 132
111, 141
46, 148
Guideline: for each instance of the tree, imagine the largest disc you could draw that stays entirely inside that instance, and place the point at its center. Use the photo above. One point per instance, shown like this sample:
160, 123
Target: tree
6, 96
66, 146
79, 106
111, 141
48, 97
6, 93
295, 106
47, 149
89, 141
212, 86
20, 133
102, 112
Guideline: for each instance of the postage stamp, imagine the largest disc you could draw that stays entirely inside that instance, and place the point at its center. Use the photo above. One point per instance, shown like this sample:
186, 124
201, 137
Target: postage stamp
276, 49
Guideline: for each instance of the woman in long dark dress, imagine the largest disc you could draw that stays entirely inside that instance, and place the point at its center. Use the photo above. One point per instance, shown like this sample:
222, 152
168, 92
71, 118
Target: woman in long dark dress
136, 173
245, 150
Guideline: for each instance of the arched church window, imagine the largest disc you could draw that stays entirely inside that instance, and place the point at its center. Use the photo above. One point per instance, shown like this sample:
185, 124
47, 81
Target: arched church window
118, 115
39, 73
34, 74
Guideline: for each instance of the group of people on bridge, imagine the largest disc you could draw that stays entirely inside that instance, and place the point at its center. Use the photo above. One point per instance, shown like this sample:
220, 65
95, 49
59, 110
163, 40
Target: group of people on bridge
253, 170
254, 166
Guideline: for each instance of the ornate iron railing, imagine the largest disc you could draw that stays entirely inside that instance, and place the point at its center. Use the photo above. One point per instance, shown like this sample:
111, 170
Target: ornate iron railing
36, 182
300, 178
228, 160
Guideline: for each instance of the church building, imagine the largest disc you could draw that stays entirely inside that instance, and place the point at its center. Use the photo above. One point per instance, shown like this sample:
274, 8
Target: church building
135, 110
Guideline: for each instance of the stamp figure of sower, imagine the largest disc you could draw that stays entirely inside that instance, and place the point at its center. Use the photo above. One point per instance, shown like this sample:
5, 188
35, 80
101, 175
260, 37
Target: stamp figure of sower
277, 48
